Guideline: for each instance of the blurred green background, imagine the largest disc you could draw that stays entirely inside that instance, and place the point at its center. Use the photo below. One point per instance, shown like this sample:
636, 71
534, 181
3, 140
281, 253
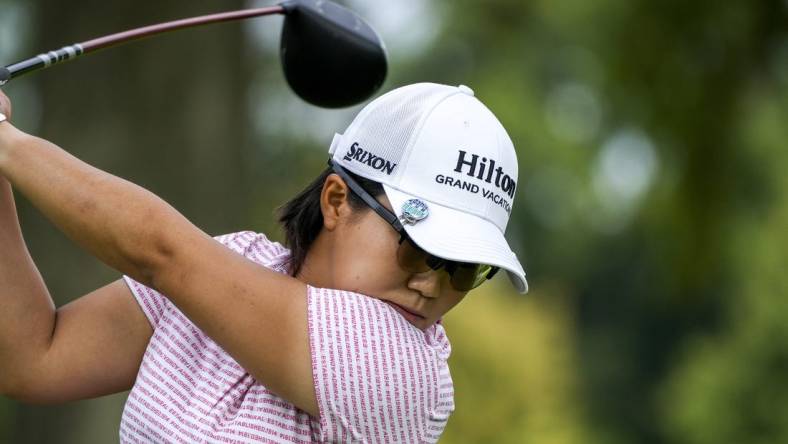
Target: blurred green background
651, 216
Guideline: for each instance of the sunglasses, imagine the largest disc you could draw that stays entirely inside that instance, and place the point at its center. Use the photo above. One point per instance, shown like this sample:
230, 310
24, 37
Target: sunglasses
411, 258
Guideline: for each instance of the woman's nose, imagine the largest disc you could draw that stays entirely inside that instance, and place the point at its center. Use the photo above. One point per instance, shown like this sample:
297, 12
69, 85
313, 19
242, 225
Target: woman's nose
427, 283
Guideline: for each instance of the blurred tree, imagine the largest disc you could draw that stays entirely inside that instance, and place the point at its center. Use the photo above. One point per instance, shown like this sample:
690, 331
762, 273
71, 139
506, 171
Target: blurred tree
729, 386
681, 72
167, 113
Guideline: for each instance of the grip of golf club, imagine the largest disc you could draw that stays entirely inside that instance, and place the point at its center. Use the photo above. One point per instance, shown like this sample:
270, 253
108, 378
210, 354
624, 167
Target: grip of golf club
40, 61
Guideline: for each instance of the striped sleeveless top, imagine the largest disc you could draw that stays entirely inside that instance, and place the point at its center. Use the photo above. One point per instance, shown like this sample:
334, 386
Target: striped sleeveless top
377, 378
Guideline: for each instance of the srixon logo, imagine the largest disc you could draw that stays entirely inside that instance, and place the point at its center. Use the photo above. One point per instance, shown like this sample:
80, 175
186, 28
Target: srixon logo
484, 169
378, 163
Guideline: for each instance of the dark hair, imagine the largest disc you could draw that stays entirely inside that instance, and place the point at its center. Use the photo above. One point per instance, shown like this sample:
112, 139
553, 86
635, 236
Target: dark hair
302, 219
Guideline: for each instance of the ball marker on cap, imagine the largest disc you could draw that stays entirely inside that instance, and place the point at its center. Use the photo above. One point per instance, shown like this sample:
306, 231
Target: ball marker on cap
414, 211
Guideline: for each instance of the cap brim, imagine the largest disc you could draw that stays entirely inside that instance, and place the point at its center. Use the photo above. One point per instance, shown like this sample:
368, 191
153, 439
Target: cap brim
459, 236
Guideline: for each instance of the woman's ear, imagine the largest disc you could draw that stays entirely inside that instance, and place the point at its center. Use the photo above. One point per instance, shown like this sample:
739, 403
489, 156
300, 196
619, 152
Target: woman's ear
334, 201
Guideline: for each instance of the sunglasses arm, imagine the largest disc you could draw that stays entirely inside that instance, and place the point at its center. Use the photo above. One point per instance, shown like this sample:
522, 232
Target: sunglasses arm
390, 217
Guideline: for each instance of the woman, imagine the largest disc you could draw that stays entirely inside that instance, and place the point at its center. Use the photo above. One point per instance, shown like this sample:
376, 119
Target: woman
338, 339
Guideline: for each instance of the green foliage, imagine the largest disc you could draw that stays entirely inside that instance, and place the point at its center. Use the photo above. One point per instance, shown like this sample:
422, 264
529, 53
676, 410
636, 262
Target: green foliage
694, 254
513, 364
730, 387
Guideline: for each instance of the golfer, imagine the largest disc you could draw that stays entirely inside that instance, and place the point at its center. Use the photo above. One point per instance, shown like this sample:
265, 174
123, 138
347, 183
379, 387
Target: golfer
335, 337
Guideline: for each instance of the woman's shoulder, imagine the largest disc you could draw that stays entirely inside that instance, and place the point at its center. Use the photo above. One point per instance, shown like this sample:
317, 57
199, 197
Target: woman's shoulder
371, 366
257, 247
360, 315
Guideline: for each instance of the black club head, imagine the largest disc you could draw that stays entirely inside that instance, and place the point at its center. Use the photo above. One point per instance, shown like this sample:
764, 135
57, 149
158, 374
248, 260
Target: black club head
330, 56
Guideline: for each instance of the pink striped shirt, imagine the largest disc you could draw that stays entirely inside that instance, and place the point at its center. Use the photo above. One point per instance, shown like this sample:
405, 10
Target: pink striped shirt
377, 377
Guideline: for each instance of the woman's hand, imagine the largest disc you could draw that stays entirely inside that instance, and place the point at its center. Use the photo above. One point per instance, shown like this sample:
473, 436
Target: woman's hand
5, 109
8, 133
5, 105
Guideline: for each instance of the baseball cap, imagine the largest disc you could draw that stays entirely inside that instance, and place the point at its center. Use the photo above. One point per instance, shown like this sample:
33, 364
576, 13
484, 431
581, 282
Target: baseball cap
440, 145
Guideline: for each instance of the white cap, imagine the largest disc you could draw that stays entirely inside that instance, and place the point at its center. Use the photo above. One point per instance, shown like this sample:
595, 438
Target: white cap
439, 144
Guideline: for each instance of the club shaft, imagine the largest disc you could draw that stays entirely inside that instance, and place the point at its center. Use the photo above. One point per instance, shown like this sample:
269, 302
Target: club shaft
71, 52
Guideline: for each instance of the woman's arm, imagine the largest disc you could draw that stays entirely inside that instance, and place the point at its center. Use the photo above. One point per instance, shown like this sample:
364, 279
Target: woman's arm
95, 349
258, 316
27, 313
90, 347
110, 217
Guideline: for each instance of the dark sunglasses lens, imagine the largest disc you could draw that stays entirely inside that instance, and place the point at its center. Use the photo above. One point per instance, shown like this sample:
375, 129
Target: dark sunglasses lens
466, 277
412, 258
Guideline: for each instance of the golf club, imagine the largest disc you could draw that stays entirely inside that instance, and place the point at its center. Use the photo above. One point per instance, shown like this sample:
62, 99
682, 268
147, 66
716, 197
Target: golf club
330, 56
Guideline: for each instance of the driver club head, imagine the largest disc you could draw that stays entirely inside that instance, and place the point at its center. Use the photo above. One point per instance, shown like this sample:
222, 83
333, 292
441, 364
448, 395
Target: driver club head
331, 57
